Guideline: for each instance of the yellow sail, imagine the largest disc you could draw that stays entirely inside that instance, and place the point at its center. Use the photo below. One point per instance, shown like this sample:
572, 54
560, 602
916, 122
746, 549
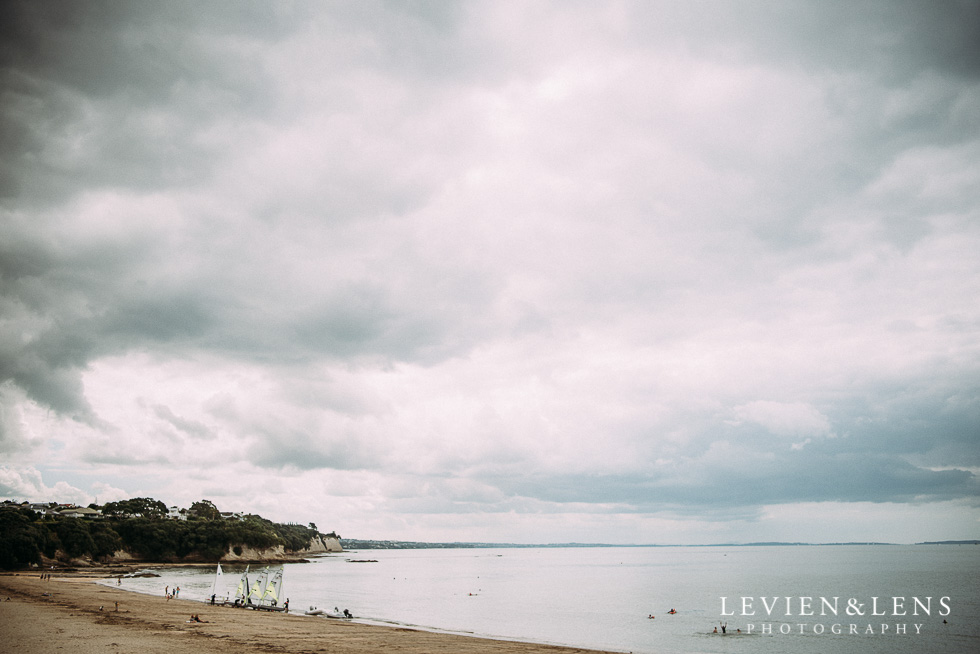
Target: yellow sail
255, 593
272, 588
242, 585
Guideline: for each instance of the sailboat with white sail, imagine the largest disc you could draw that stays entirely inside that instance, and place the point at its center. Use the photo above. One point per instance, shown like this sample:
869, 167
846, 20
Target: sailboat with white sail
270, 596
212, 597
238, 598
263, 593
273, 589
258, 587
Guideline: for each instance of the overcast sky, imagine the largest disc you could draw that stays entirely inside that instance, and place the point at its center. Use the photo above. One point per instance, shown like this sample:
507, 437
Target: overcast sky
652, 272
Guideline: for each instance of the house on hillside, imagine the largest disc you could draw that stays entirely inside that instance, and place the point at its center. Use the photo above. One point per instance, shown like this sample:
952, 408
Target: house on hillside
80, 512
175, 513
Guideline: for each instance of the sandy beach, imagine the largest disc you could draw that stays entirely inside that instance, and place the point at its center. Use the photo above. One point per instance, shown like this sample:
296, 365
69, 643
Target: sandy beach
74, 613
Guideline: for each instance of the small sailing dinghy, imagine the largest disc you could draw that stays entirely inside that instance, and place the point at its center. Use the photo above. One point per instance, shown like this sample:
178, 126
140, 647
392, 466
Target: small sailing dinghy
266, 593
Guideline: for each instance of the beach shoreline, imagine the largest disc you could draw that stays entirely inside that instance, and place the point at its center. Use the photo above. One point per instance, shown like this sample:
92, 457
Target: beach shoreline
73, 611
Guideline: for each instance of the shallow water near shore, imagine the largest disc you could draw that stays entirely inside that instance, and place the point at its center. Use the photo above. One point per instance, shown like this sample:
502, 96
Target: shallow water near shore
601, 597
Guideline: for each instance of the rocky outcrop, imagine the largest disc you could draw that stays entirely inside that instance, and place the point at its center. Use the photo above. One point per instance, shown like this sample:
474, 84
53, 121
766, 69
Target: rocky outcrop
245, 553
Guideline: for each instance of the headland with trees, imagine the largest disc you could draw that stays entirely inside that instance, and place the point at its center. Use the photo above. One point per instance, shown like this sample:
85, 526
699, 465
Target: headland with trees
145, 530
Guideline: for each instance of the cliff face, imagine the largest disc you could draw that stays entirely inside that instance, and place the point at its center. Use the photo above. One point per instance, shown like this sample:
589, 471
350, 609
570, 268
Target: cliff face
242, 553
322, 545
318, 545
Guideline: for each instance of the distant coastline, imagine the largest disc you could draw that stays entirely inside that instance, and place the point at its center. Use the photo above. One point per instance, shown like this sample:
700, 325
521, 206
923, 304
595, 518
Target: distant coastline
368, 544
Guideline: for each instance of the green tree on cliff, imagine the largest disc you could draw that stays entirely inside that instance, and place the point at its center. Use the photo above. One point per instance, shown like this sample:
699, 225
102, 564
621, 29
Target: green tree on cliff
74, 536
205, 509
145, 507
20, 540
24, 535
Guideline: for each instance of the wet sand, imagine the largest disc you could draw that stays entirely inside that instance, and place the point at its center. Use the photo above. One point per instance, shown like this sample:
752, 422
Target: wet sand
75, 614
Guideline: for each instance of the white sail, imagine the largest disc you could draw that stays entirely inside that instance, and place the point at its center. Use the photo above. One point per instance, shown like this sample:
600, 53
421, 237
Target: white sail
214, 584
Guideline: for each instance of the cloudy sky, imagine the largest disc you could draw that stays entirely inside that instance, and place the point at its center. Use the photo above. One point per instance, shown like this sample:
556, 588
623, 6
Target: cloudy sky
651, 272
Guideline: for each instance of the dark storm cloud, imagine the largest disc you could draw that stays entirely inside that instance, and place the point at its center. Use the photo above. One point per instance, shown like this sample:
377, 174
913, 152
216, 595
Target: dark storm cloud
895, 39
935, 429
69, 305
106, 49
115, 94
283, 449
68, 302
902, 75
692, 489
118, 96
893, 447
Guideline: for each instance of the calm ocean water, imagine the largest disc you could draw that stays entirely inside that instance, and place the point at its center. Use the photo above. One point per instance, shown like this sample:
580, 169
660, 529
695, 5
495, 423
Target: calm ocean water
601, 597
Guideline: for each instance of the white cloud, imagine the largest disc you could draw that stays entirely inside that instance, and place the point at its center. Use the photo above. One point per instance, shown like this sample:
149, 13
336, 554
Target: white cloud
25, 483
